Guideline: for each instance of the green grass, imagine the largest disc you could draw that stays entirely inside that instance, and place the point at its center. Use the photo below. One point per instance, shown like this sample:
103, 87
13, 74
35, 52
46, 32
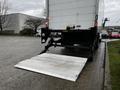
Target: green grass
114, 57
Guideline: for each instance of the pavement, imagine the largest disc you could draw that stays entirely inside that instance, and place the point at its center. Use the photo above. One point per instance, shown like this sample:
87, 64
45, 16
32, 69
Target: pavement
14, 49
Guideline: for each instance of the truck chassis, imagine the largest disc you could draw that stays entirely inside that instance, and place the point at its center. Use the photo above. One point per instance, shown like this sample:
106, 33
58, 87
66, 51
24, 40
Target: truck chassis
75, 38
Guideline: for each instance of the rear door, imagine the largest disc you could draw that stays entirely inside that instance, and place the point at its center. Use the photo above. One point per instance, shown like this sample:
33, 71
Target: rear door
64, 13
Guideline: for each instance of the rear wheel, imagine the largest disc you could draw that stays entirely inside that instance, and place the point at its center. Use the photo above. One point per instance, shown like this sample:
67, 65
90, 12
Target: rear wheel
91, 53
90, 58
96, 45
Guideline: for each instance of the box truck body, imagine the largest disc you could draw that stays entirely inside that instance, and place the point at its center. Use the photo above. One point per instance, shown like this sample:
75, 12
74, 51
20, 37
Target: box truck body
83, 13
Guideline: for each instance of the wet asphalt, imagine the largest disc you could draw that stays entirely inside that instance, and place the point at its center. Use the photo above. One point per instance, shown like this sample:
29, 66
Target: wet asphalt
14, 49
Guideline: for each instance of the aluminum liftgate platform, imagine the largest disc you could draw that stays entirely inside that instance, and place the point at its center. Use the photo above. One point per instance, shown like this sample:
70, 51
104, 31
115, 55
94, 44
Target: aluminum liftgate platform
61, 66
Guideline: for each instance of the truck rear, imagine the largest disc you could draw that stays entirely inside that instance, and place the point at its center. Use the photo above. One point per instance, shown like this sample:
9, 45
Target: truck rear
73, 23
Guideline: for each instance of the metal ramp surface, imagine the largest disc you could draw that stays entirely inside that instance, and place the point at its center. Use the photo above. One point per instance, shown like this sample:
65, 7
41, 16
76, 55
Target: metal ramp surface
61, 66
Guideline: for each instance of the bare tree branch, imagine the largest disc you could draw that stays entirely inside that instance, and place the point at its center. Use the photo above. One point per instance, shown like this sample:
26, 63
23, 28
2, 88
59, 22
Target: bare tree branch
3, 13
34, 23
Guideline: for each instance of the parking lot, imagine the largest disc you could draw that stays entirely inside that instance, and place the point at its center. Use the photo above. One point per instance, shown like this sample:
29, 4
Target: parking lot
14, 49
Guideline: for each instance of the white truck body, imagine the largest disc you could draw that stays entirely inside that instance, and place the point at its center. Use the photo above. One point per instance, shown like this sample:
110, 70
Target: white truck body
63, 13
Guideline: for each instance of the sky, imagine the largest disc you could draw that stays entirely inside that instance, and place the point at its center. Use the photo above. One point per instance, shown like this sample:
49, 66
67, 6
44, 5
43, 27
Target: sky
35, 8
112, 12
30, 7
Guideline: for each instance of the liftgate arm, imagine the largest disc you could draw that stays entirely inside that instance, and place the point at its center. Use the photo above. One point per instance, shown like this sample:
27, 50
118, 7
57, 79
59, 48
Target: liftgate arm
45, 34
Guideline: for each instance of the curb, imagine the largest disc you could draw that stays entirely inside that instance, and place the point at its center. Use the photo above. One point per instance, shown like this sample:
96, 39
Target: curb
107, 81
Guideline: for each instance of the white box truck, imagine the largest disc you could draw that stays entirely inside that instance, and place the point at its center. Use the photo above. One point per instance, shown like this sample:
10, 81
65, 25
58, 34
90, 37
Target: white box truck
73, 23
83, 13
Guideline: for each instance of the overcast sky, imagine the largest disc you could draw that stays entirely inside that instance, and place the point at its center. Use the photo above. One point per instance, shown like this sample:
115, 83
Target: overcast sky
35, 8
30, 7
112, 11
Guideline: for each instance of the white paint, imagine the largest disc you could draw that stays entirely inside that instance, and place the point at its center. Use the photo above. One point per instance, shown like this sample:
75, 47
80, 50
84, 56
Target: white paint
110, 40
64, 13
61, 66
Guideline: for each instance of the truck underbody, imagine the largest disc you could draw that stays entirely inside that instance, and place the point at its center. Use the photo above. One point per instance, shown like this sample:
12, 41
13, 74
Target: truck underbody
84, 40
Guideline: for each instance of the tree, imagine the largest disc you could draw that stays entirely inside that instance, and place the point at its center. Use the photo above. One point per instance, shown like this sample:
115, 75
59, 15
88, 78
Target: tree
34, 23
3, 12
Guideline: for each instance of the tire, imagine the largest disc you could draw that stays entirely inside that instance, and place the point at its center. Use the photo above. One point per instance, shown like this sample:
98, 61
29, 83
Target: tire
92, 55
90, 58
96, 46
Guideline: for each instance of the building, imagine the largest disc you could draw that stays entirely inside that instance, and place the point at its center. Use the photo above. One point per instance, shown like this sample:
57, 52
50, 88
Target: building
16, 22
